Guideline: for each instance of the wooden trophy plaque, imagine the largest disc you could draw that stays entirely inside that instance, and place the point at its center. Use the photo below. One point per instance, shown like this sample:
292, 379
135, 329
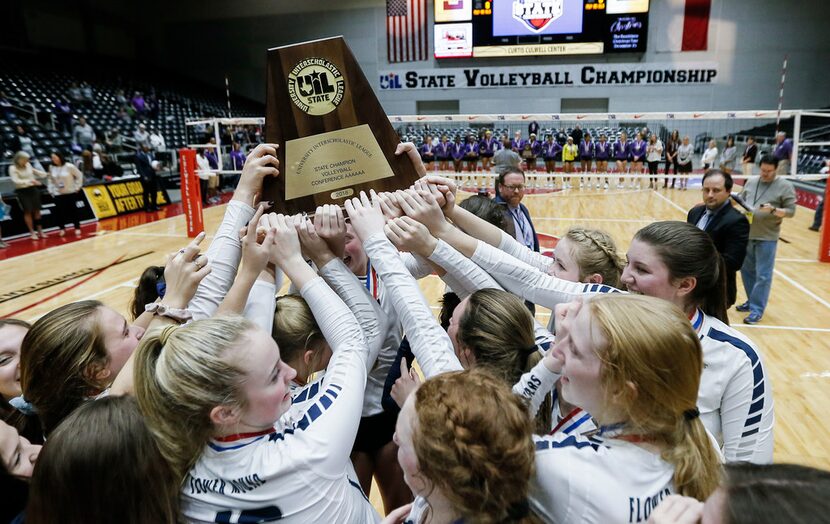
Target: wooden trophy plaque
335, 139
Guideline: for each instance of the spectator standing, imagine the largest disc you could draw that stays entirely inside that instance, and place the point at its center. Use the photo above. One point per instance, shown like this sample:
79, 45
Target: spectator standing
782, 153
671, 157
728, 156
138, 103
149, 179
817, 218
210, 154
65, 181
772, 199
124, 115
654, 154
727, 226
576, 134
748, 159
505, 159
157, 143
710, 155
533, 128
141, 137
120, 98
83, 134
27, 186
23, 142
684, 161
63, 114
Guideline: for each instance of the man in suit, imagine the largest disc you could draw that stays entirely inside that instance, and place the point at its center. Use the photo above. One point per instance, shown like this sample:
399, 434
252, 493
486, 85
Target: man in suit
510, 189
727, 226
149, 179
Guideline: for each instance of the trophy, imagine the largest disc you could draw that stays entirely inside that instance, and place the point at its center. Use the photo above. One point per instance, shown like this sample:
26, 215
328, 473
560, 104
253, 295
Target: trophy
335, 139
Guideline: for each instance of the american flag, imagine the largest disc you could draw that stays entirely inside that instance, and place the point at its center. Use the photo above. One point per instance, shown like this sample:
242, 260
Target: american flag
406, 30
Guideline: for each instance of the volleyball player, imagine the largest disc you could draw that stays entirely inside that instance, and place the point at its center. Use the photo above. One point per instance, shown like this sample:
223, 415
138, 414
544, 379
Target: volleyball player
549, 151
638, 154
457, 153
684, 161
487, 148
569, 154
602, 152
443, 153
586, 158
636, 361
237, 454
428, 152
676, 262
622, 153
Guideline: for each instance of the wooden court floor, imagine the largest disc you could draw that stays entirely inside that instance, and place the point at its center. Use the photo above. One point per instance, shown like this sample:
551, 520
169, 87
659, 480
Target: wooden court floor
794, 334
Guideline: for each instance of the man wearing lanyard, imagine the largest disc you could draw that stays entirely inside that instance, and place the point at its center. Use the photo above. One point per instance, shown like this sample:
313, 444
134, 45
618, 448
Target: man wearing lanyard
510, 189
772, 199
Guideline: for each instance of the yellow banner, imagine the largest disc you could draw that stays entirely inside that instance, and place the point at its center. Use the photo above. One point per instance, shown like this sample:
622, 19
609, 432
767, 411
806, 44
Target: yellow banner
99, 199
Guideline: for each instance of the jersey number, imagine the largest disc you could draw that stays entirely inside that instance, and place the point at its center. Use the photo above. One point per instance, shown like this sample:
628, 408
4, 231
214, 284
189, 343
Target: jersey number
250, 516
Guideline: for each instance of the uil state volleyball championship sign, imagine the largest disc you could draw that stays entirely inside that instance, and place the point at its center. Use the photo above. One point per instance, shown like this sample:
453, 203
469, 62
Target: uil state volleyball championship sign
334, 135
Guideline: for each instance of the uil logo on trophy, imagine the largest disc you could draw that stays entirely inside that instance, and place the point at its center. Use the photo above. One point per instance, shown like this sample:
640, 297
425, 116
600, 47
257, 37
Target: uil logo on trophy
537, 14
316, 86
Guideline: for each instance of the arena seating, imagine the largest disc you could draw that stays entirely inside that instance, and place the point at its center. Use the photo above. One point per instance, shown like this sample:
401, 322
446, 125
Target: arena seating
32, 84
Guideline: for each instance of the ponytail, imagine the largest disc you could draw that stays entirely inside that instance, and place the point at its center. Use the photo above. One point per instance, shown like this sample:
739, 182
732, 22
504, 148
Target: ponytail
692, 453
180, 375
715, 303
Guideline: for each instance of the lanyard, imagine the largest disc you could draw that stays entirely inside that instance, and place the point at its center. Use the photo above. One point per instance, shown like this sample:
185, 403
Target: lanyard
757, 196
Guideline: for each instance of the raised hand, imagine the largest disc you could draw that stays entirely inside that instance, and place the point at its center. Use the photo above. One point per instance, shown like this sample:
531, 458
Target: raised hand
261, 162
314, 246
331, 227
407, 234
405, 385
285, 250
411, 151
677, 509
256, 253
183, 272
448, 188
390, 206
365, 215
424, 209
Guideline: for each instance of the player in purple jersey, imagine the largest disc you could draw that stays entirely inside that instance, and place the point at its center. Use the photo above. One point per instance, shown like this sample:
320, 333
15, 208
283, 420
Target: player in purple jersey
586, 158
622, 152
487, 147
638, 154
443, 152
602, 152
428, 152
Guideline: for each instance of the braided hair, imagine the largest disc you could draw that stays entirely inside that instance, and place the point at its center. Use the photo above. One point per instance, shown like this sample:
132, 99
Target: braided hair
596, 252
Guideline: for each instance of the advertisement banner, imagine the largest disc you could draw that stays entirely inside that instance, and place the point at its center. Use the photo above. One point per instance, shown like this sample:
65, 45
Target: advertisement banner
118, 198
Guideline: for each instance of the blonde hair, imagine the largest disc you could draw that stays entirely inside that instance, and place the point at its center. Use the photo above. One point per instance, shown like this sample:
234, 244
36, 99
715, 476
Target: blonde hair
498, 328
652, 345
296, 331
58, 360
181, 374
594, 251
478, 451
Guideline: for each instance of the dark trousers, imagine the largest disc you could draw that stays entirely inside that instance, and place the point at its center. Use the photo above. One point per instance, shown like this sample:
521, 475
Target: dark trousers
818, 216
149, 187
66, 211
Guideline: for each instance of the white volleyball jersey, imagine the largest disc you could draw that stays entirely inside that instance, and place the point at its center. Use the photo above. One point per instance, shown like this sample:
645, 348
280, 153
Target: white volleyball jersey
576, 422
594, 480
298, 471
735, 399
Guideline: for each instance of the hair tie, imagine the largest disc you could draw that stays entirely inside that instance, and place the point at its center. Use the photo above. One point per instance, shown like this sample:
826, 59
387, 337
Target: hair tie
22, 405
165, 333
519, 510
691, 414
530, 349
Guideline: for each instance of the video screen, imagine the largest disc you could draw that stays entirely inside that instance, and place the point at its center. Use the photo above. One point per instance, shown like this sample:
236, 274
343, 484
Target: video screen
537, 18
500, 28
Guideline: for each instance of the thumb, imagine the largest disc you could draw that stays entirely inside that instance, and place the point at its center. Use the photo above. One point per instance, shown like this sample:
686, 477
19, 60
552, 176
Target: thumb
404, 368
